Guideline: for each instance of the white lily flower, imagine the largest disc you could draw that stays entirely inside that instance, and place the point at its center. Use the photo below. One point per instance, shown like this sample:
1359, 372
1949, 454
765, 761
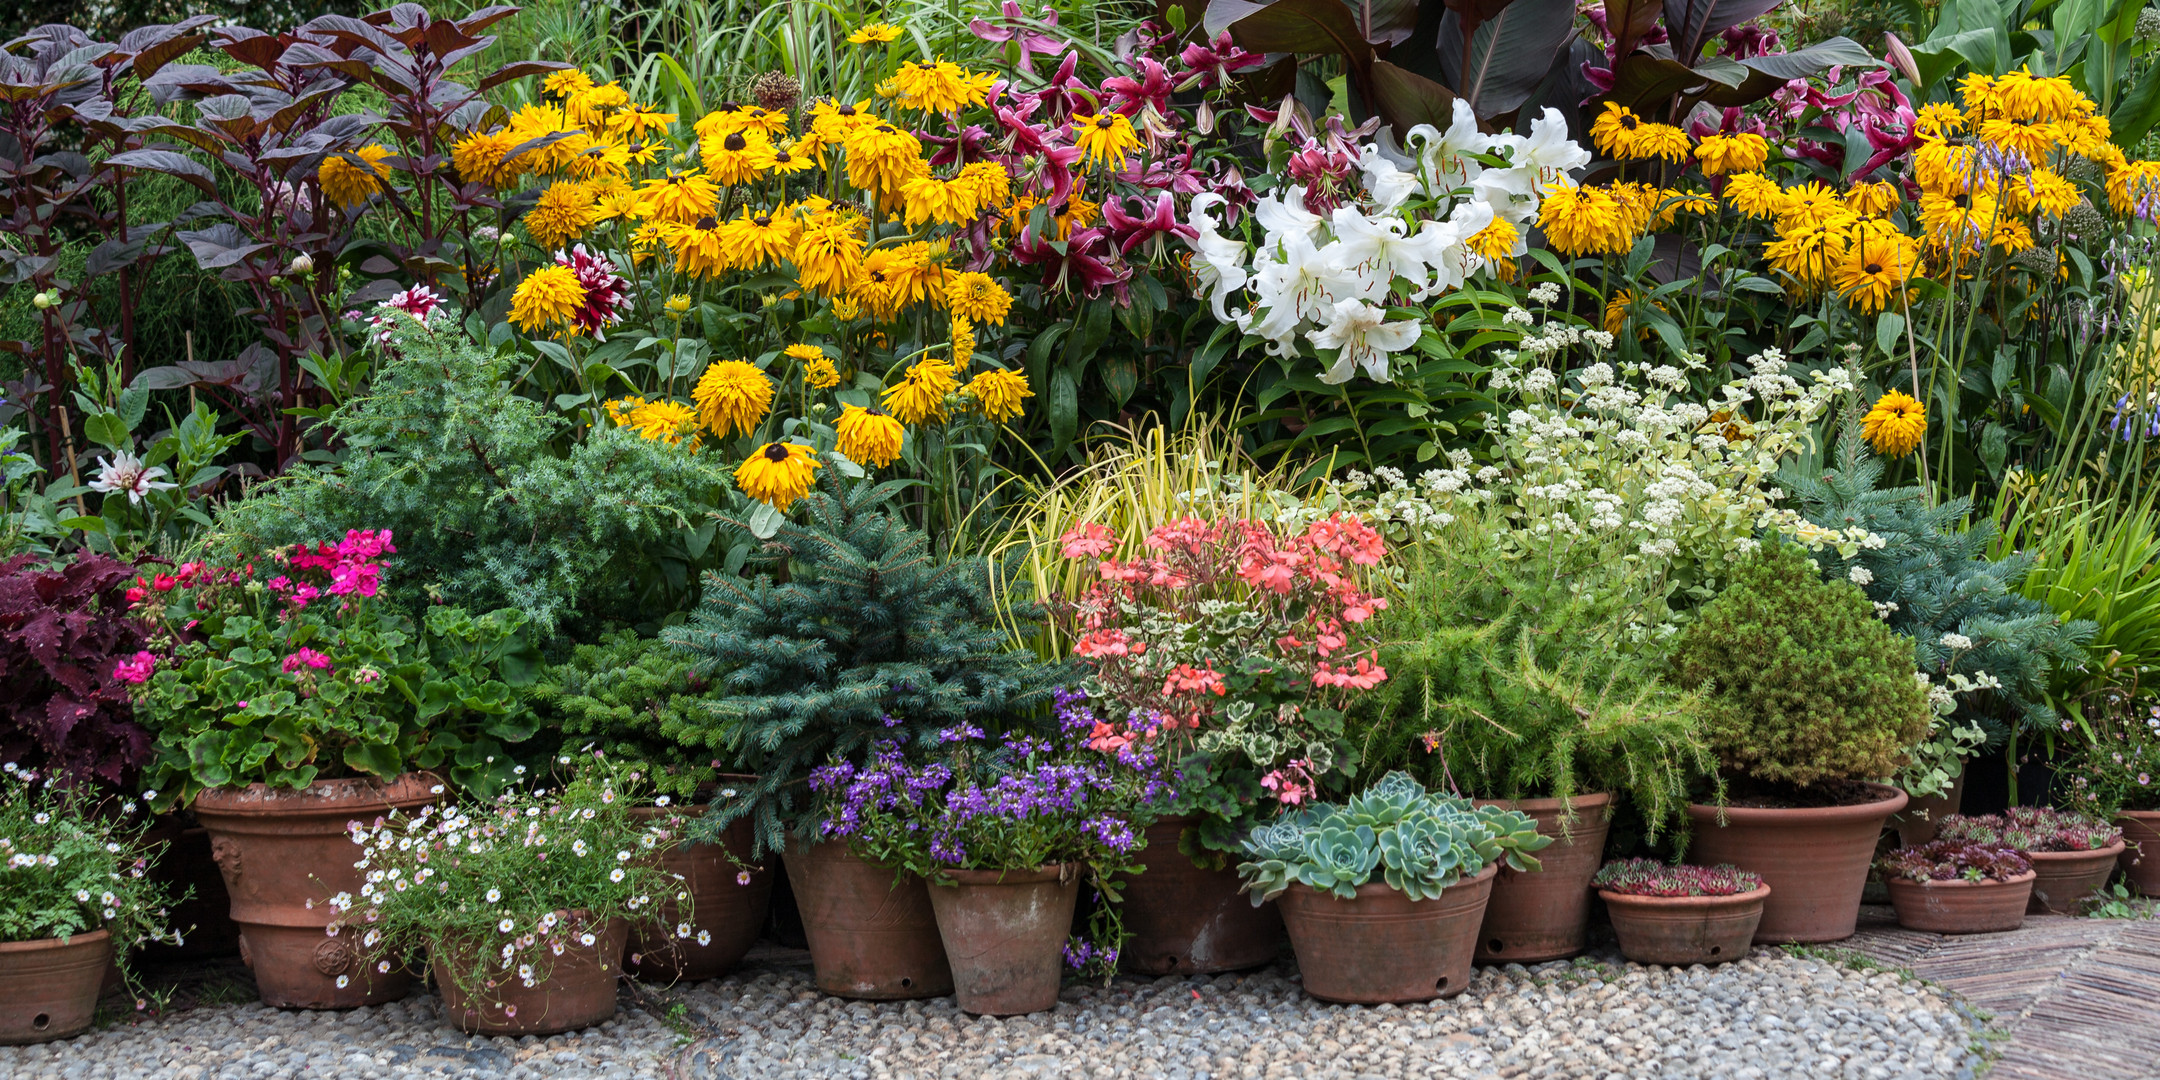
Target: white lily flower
1364, 339
125, 472
1286, 216
1388, 185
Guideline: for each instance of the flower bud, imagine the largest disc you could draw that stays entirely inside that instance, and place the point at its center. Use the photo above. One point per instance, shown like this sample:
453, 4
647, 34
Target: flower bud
45, 300
302, 266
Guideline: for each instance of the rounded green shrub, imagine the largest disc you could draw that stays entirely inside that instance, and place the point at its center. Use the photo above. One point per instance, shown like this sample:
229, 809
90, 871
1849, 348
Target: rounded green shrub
1804, 683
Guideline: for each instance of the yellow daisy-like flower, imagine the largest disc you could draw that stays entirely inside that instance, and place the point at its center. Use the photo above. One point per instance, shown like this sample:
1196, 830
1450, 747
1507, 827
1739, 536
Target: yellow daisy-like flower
1895, 425
601, 161
1496, 243
2134, 189
1943, 169
1808, 255
2046, 191
947, 202
1873, 200
1582, 221
2032, 141
732, 397
637, 121
977, 298
565, 210
1613, 132
548, 297
778, 474
677, 197
1724, 155
868, 436
350, 185
1939, 120
829, 254
921, 396
700, 247
664, 421
764, 121
1616, 310
998, 393
678, 305
940, 87
566, 83
1691, 202
963, 343
735, 158
1875, 272
1105, 138
755, 241
592, 108
883, 158
1662, 142
776, 160
992, 184
1755, 195
478, 158
876, 33
820, 374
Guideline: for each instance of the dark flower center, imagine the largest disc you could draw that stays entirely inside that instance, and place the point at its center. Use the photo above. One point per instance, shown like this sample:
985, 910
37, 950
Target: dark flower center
736, 142
1105, 123
707, 223
781, 157
762, 221
1628, 122
776, 452
1874, 268
844, 110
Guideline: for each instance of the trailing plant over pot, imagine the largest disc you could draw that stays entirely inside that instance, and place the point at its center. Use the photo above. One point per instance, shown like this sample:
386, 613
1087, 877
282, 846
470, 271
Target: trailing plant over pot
1383, 895
1667, 914
1955, 886
2115, 776
70, 652
1005, 831
75, 898
523, 902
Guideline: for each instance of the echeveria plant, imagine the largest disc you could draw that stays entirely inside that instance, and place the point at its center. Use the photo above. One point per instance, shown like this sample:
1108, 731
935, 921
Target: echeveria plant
1418, 842
1955, 860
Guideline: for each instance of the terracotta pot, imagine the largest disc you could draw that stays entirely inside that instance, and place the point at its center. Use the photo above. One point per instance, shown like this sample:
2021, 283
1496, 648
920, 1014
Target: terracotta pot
728, 910
1815, 860
1543, 915
1181, 919
578, 992
280, 849
1961, 907
1685, 930
204, 919
49, 988
2141, 858
870, 937
1383, 946
1922, 817
2068, 877
1005, 933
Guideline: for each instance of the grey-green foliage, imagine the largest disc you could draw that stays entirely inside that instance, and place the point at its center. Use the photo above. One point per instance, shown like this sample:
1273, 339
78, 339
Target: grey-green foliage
1420, 843
1934, 568
493, 499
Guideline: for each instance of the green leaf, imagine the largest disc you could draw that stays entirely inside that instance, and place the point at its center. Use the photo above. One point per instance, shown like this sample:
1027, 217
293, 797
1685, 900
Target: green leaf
375, 759
107, 429
1888, 327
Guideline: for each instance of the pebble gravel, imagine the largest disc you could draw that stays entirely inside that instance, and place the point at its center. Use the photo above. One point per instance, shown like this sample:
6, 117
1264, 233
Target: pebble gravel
1770, 1015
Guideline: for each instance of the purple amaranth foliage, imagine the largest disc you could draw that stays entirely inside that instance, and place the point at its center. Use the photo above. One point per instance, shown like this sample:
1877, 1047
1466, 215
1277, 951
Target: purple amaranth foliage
1649, 877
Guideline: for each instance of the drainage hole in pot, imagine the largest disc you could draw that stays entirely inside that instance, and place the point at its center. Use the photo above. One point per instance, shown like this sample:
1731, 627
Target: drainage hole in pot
1169, 963
1716, 949
41, 1021
906, 983
1442, 984
1495, 945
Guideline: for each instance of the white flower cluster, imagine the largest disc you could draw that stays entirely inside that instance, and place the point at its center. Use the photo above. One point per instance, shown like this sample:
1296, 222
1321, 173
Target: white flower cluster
1327, 281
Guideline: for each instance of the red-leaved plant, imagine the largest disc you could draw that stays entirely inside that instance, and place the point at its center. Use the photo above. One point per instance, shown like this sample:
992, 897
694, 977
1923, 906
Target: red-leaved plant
1649, 877
67, 643
1233, 647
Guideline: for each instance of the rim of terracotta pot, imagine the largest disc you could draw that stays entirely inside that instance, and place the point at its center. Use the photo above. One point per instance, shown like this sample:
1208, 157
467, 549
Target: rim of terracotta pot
258, 798
1378, 888
1957, 883
2138, 815
87, 937
1892, 801
2111, 851
1037, 876
1760, 892
1582, 803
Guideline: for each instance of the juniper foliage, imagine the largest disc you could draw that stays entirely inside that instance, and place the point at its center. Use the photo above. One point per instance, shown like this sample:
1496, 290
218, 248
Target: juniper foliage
634, 699
857, 633
1934, 568
493, 500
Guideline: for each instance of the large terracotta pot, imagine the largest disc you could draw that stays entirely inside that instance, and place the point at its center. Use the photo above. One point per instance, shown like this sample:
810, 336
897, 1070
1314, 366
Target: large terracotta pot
1383, 946
1005, 934
2068, 877
49, 988
1181, 919
204, 919
1543, 915
2141, 856
579, 990
870, 936
1961, 907
1922, 817
281, 849
1684, 930
1815, 860
726, 912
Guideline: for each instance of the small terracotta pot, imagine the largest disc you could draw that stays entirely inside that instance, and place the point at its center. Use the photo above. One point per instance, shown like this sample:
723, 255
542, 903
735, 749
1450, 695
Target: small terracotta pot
1961, 907
1684, 930
1922, 817
49, 988
280, 849
204, 919
727, 909
1543, 915
2068, 877
870, 936
1181, 919
1005, 933
1814, 859
2141, 857
578, 992
1383, 946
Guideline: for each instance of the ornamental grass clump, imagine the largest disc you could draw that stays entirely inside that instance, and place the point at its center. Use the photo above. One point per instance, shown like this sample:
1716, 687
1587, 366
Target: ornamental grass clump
1418, 842
1952, 859
69, 866
1649, 877
498, 890
2032, 828
1804, 687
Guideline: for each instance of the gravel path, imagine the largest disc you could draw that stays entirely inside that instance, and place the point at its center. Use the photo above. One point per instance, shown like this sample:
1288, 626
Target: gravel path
1771, 1015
